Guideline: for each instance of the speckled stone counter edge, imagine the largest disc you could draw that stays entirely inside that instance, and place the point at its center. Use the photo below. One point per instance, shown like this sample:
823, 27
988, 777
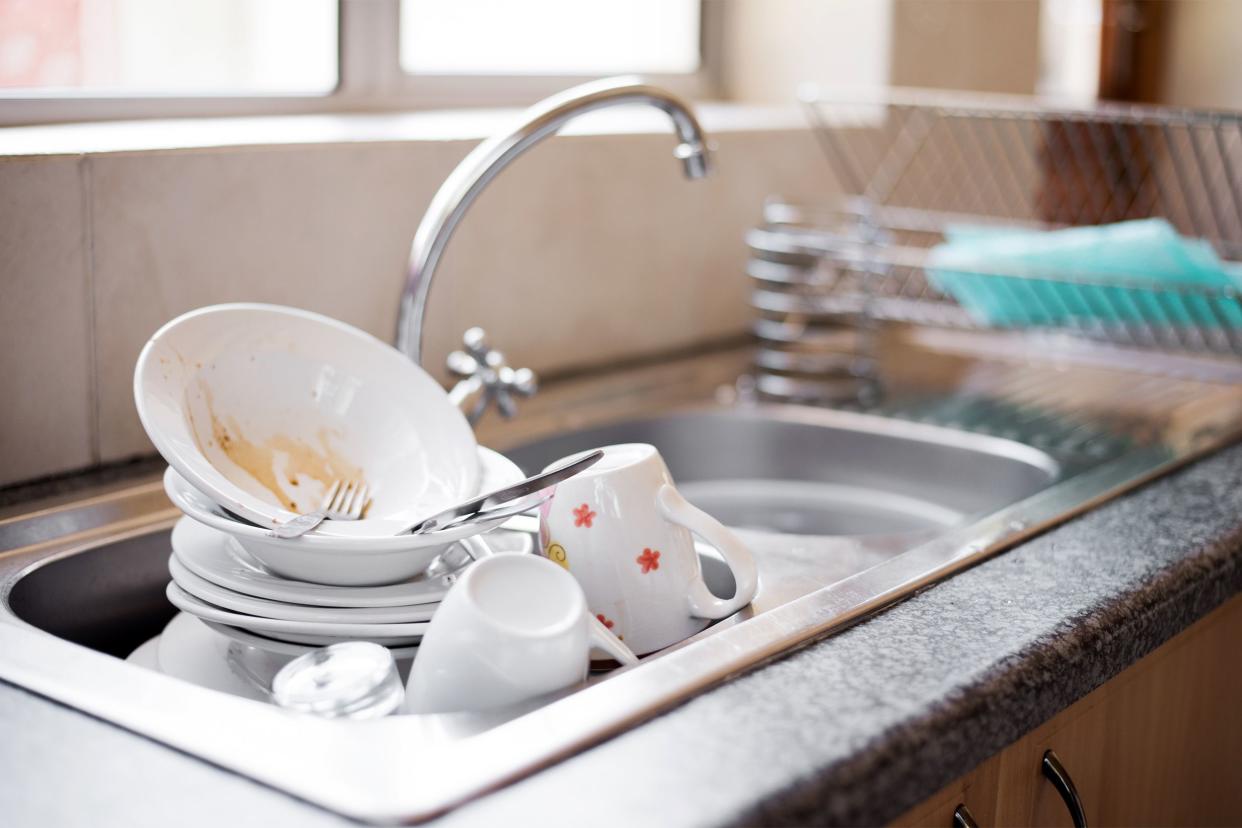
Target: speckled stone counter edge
905, 764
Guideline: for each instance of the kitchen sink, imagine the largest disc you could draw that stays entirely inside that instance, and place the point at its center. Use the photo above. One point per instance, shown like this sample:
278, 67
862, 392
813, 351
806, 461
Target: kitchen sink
847, 513
879, 493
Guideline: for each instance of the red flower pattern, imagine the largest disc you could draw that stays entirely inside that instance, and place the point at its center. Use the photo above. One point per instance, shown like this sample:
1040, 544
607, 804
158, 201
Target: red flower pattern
606, 622
649, 560
583, 516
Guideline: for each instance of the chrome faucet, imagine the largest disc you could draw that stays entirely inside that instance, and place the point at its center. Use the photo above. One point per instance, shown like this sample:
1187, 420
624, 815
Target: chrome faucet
496, 381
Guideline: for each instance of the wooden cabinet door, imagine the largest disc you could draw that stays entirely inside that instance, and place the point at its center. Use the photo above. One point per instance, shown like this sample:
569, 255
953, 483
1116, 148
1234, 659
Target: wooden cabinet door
975, 792
1159, 745
1026, 797
1173, 749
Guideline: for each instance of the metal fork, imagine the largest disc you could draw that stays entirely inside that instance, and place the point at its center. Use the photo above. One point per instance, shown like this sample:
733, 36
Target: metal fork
343, 501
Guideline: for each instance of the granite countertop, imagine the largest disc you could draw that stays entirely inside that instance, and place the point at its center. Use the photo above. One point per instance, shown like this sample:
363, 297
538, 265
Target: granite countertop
852, 729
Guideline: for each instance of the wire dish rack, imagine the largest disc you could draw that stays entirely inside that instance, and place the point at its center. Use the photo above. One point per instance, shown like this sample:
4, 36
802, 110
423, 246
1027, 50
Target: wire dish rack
912, 167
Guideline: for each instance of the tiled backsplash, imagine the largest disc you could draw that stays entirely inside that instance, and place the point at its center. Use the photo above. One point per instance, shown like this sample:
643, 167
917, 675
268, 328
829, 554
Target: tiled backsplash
46, 421
589, 249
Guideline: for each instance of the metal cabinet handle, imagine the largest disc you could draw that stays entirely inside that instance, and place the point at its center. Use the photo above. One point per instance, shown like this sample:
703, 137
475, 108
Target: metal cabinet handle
962, 817
1056, 773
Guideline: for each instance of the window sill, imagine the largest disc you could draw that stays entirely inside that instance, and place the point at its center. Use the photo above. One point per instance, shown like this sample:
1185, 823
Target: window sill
440, 125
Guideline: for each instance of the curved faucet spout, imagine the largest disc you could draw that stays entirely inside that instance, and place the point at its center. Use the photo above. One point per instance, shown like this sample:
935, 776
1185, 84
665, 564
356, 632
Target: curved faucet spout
490, 157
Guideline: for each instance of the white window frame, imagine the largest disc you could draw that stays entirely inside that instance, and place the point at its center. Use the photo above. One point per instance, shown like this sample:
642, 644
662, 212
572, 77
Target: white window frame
370, 79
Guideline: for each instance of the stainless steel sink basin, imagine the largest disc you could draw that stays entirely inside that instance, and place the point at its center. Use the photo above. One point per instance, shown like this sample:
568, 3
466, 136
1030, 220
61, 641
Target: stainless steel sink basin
868, 487
807, 471
110, 600
847, 513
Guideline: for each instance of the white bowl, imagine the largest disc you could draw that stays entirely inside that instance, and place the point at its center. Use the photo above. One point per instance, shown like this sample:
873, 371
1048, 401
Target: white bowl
327, 559
261, 407
225, 563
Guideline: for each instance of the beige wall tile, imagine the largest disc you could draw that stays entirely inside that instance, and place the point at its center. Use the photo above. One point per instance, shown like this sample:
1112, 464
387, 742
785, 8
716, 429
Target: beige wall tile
587, 250
978, 45
322, 228
1201, 40
45, 417
597, 248
774, 46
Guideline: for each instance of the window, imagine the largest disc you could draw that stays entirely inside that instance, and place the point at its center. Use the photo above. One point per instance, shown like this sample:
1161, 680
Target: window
98, 59
549, 37
154, 47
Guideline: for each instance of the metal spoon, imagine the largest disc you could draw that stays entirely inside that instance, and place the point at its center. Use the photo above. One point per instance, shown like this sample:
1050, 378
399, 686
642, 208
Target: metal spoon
510, 500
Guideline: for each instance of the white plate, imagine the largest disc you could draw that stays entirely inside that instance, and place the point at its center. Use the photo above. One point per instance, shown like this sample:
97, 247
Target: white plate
226, 659
277, 628
260, 407
188, 650
339, 561
147, 655
220, 559
403, 655
313, 641
227, 599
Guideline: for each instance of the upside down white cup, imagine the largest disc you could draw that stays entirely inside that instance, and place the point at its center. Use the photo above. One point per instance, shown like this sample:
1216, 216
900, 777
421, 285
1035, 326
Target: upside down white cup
624, 532
513, 628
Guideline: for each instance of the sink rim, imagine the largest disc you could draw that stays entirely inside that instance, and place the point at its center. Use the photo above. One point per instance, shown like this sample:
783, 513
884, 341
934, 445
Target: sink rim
858, 421
875, 424
897, 431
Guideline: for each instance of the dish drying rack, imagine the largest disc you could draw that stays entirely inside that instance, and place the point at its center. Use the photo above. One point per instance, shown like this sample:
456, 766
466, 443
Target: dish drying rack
911, 164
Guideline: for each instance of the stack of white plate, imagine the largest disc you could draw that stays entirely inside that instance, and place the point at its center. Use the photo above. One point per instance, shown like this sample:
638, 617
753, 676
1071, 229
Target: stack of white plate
258, 410
216, 580
240, 622
222, 573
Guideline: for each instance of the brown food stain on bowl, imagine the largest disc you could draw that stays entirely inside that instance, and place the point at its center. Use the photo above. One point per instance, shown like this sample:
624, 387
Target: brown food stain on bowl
322, 463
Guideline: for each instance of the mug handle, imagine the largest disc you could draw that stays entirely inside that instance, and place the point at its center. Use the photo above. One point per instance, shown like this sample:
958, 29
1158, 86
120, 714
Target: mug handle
703, 604
607, 640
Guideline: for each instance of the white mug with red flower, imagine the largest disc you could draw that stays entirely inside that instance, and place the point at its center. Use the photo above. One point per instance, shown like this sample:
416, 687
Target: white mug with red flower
624, 532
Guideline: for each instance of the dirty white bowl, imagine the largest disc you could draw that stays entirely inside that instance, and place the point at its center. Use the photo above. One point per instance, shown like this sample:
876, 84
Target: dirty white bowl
326, 559
260, 407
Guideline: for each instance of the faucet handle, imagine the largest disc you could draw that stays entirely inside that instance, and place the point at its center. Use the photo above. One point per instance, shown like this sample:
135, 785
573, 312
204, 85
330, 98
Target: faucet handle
477, 355
522, 381
486, 378
461, 365
476, 343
